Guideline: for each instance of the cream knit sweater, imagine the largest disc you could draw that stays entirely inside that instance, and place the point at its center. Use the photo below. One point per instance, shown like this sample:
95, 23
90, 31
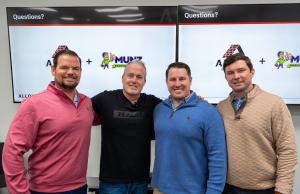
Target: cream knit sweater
260, 142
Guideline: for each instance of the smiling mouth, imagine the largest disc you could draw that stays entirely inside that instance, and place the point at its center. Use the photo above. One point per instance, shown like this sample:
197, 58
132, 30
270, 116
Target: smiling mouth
73, 78
177, 91
70, 80
133, 86
237, 83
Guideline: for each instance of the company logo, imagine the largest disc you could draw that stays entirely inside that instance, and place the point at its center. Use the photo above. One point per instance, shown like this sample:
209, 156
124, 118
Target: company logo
233, 49
59, 48
286, 59
114, 61
107, 59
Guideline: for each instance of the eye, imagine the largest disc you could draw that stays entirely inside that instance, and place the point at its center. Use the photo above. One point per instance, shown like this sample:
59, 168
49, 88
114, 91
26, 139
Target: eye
241, 70
182, 78
76, 68
139, 77
130, 75
229, 72
171, 79
64, 67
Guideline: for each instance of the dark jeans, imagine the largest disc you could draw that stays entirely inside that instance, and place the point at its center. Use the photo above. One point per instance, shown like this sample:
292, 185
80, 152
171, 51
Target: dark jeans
229, 189
81, 190
123, 188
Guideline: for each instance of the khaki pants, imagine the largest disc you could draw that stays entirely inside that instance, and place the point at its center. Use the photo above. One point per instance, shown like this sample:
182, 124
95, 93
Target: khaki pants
155, 191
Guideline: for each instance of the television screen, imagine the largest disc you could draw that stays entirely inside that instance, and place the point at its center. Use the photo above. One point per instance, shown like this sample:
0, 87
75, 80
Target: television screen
267, 33
106, 39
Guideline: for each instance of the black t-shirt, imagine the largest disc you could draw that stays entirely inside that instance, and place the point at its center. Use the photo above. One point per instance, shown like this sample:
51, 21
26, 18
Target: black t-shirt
127, 130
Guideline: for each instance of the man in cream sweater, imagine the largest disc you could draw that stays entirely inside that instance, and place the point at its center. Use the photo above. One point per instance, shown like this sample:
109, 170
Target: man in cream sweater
260, 134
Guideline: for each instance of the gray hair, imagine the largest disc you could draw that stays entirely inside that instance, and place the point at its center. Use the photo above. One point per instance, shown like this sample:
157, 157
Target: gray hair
139, 62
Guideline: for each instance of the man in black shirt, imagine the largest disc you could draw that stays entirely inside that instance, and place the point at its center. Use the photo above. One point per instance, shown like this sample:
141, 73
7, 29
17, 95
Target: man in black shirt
127, 130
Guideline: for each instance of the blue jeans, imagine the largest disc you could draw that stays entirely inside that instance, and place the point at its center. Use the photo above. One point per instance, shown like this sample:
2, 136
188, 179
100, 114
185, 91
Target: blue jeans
81, 190
123, 188
229, 189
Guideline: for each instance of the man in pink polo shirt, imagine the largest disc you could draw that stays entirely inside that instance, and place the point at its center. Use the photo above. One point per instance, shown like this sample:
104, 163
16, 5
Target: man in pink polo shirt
55, 124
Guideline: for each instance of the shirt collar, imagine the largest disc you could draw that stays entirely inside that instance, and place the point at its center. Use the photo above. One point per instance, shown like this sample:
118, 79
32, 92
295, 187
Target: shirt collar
76, 99
183, 101
59, 91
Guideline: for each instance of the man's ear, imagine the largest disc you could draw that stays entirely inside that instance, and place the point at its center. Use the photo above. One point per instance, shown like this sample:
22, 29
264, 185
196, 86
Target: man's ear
53, 70
253, 72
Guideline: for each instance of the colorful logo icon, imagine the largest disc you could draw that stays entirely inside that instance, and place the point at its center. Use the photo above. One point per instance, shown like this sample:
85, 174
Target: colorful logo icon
287, 59
283, 57
107, 58
234, 48
60, 48
114, 61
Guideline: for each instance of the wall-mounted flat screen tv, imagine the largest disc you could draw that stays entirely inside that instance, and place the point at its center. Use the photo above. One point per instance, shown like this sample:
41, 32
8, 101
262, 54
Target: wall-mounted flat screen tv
267, 33
118, 34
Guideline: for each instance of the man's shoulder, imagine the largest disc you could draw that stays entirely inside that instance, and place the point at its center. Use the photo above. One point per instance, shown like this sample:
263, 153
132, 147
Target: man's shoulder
270, 96
270, 101
223, 105
206, 107
36, 100
163, 104
150, 98
111, 92
222, 102
107, 94
37, 96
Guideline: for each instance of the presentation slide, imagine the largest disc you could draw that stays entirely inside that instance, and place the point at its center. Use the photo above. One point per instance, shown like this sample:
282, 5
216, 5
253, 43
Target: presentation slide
106, 39
268, 34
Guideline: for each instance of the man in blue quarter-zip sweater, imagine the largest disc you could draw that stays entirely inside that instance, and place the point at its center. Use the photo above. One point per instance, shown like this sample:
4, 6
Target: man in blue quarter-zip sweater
190, 152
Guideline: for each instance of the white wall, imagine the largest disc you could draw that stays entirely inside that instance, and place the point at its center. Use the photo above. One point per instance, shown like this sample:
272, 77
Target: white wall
8, 108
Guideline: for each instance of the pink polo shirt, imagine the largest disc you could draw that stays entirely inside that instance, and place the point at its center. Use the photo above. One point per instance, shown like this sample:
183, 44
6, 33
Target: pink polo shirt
58, 133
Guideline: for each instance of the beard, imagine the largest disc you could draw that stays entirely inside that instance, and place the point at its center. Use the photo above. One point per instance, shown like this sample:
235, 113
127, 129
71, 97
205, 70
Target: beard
70, 86
64, 85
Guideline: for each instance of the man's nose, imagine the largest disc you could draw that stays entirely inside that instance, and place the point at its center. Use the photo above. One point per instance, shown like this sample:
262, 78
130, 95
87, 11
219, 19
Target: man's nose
134, 78
70, 71
177, 82
236, 75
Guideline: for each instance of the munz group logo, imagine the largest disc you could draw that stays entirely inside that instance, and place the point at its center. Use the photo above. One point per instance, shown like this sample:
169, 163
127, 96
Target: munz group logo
110, 60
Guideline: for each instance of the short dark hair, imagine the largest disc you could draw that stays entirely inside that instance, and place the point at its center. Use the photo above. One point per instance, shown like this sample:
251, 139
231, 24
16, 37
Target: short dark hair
178, 65
64, 52
235, 57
